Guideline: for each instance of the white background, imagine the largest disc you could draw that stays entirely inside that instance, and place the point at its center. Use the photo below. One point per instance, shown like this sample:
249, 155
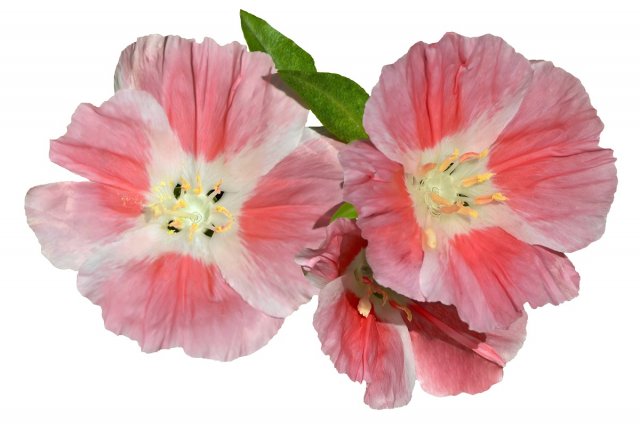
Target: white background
59, 368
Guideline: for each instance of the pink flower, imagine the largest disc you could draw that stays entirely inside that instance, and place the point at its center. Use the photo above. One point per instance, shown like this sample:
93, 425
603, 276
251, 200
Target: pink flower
484, 169
204, 184
374, 334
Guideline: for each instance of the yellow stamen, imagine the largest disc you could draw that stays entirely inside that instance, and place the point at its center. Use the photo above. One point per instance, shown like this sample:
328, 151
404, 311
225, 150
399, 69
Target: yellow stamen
222, 228
198, 188
468, 211
431, 238
179, 204
439, 199
474, 156
422, 170
222, 210
364, 307
176, 224
499, 197
406, 311
385, 295
184, 184
483, 200
192, 229
477, 179
496, 197
216, 187
452, 158
225, 227
450, 209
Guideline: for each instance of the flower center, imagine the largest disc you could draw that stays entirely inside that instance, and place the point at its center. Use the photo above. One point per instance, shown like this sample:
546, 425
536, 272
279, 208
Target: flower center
451, 188
182, 207
370, 289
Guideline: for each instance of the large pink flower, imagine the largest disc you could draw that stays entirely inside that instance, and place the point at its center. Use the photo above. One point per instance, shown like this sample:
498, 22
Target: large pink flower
483, 169
204, 185
374, 334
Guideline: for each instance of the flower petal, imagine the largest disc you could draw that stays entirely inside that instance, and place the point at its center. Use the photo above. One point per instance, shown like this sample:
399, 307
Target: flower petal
450, 358
560, 183
342, 244
456, 85
113, 144
365, 348
72, 219
276, 224
375, 186
172, 300
489, 275
218, 98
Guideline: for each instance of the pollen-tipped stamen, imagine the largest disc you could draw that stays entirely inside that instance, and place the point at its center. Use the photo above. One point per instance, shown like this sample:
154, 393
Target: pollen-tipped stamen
467, 211
471, 155
449, 160
192, 230
403, 308
364, 306
426, 168
477, 179
487, 199
198, 188
225, 227
185, 185
439, 199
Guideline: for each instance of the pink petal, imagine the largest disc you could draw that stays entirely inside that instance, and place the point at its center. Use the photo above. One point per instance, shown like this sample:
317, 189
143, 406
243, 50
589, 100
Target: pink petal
72, 219
341, 245
112, 144
375, 186
365, 348
172, 300
442, 89
450, 358
558, 180
276, 224
218, 98
489, 275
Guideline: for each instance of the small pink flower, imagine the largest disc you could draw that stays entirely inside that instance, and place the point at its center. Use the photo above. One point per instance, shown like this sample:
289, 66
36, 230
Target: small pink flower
374, 334
204, 184
484, 169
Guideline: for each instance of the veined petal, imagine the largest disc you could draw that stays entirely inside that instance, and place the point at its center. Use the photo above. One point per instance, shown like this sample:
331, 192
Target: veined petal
365, 348
451, 358
375, 186
489, 275
342, 244
276, 224
73, 219
439, 90
113, 144
219, 99
172, 300
560, 183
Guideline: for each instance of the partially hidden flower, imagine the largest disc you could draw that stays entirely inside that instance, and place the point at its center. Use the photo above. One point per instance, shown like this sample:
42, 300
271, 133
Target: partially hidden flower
374, 334
204, 184
482, 170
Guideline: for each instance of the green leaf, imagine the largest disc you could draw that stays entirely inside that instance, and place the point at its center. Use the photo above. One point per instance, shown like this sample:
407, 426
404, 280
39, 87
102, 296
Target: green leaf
260, 36
346, 210
337, 101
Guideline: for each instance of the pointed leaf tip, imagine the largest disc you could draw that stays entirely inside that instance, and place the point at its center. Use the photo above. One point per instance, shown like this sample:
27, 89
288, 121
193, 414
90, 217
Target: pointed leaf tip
286, 54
